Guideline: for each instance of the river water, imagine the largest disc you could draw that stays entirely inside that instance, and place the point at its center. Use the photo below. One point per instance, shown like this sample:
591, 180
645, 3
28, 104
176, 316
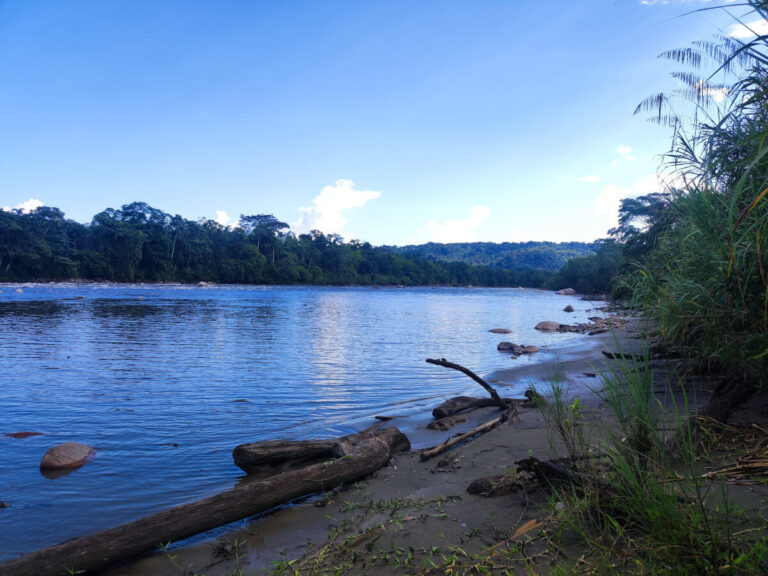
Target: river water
165, 380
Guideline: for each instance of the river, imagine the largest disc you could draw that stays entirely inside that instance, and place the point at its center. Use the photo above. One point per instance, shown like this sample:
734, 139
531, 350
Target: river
164, 380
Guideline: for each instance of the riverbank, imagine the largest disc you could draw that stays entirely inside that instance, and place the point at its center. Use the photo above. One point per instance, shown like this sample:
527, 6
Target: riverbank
411, 513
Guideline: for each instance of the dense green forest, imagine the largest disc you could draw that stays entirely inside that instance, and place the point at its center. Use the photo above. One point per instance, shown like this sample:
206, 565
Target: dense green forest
510, 255
139, 243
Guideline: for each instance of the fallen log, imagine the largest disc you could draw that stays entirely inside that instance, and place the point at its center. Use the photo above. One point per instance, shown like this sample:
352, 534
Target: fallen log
490, 389
271, 457
463, 403
548, 472
482, 429
89, 554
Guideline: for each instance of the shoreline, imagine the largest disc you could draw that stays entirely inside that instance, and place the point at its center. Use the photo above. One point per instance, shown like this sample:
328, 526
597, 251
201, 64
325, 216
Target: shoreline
291, 530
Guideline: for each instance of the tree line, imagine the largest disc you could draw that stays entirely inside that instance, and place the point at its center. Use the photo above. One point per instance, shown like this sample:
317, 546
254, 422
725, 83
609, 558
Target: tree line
139, 243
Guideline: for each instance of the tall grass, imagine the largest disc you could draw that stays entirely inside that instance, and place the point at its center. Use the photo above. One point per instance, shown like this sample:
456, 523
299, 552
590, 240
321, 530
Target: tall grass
706, 279
651, 511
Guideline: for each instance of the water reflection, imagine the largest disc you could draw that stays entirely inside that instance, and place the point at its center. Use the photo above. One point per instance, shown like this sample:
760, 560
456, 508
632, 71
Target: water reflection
157, 384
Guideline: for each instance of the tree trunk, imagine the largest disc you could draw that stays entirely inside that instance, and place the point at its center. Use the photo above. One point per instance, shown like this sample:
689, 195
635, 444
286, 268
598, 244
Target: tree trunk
462, 403
271, 457
97, 551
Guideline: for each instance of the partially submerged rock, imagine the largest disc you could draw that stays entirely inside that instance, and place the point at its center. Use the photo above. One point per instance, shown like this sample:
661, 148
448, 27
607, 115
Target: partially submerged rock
500, 330
566, 292
24, 434
447, 422
67, 455
506, 346
547, 326
568, 308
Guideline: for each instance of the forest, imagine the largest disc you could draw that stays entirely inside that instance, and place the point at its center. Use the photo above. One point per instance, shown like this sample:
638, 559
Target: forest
139, 243
510, 255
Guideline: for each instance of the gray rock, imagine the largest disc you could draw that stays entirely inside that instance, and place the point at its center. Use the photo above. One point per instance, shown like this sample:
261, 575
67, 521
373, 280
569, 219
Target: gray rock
568, 308
500, 330
66, 455
547, 326
566, 292
506, 346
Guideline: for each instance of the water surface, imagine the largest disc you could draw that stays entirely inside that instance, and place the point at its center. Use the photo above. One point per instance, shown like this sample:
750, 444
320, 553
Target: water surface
165, 380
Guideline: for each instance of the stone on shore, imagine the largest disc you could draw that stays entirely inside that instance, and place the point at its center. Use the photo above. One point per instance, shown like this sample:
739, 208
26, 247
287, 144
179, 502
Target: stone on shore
66, 455
547, 326
566, 292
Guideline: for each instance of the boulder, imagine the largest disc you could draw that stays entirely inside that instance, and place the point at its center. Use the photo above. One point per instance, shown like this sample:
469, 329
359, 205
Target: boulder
566, 292
568, 308
528, 349
506, 346
66, 455
547, 326
500, 330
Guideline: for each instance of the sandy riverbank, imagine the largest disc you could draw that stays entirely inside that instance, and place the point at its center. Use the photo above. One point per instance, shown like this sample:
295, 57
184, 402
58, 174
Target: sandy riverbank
412, 511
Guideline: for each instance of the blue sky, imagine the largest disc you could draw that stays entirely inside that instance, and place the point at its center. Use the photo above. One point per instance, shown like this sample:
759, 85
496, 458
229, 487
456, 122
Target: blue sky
392, 122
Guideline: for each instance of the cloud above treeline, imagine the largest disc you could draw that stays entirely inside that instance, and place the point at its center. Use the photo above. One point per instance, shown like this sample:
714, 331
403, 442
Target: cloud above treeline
326, 212
458, 229
25, 207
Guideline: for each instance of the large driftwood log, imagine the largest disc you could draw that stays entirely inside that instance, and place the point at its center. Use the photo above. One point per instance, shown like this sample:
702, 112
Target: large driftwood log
490, 389
90, 554
462, 403
268, 458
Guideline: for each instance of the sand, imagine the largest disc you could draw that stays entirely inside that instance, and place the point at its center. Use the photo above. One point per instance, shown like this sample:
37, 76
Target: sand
412, 514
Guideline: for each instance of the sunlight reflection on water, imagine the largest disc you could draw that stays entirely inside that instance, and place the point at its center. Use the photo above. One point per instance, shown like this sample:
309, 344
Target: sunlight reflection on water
165, 386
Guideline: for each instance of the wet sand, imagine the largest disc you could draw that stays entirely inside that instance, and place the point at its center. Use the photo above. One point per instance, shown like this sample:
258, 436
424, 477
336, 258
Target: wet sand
414, 513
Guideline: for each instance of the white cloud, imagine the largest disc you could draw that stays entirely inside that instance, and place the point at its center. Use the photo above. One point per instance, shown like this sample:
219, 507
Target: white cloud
623, 150
610, 196
749, 29
222, 217
458, 229
591, 178
326, 213
25, 207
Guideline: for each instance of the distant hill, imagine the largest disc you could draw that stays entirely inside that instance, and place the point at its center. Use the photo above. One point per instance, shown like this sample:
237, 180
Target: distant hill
508, 255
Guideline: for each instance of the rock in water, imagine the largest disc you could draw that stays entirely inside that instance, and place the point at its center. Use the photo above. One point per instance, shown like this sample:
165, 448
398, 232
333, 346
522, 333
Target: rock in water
24, 434
566, 292
529, 349
66, 455
568, 308
500, 330
547, 326
506, 346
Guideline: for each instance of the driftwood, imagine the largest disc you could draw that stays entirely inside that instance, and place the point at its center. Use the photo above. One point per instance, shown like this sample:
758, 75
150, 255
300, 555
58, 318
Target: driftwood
97, 551
463, 403
271, 457
549, 471
490, 389
482, 429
